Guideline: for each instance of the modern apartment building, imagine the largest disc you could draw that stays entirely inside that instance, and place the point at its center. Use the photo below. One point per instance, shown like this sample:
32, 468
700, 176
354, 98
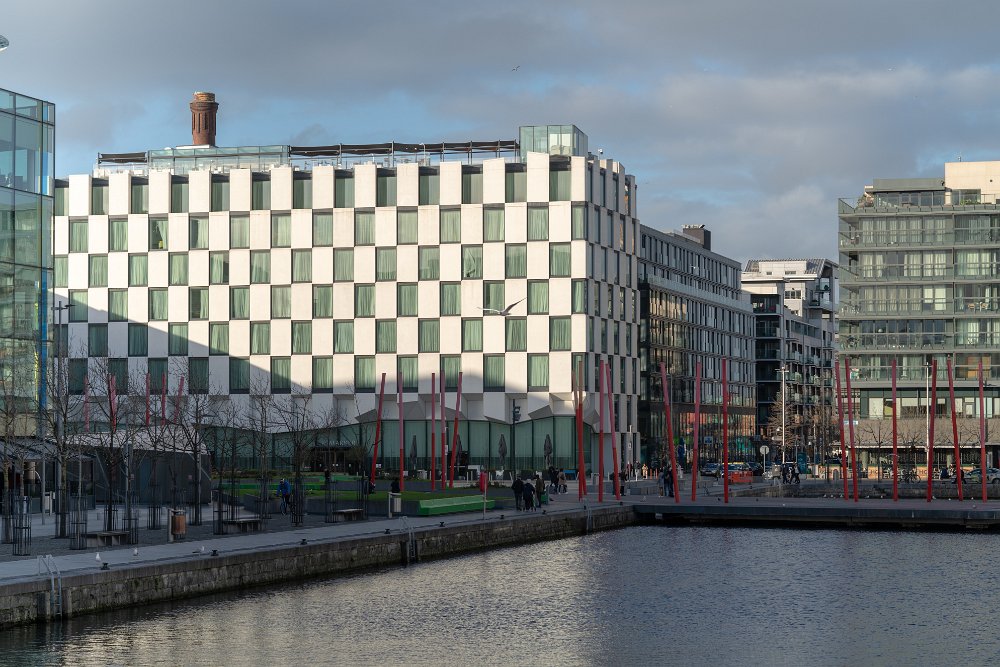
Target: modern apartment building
305, 273
919, 277
692, 310
795, 303
27, 143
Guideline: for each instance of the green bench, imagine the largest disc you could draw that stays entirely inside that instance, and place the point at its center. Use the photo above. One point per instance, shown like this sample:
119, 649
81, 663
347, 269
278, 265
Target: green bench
438, 506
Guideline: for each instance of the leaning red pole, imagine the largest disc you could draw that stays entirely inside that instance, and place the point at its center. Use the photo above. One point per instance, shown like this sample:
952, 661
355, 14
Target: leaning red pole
433, 426
895, 480
982, 430
402, 424
930, 433
578, 396
840, 417
378, 429
454, 434
725, 430
697, 421
954, 432
850, 419
614, 443
600, 442
444, 438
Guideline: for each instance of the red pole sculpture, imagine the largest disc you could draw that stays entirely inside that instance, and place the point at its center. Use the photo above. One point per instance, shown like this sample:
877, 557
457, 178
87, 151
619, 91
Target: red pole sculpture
433, 425
850, 420
147, 400
163, 398
614, 439
378, 430
954, 432
444, 438
399, 399
86, 403
670, 430
454, 434
725, 431
578, 399
982, 430
697, 422
932, 409
600, 441
840, 417
895, 450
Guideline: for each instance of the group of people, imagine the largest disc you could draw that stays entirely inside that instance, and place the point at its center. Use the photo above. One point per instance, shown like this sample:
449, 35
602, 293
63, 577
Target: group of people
666, 481
557, 480
790, 474
526, 492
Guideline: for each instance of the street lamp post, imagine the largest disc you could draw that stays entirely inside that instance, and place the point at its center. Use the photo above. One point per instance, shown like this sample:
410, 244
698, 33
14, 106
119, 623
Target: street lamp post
784, 408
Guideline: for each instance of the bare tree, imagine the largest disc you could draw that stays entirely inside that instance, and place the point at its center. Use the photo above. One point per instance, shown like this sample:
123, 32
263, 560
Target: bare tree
260, 421
61, 410
790, 425
17, 427
193, 414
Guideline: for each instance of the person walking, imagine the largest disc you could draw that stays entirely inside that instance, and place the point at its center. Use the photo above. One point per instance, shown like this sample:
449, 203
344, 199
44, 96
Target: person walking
284, 492
561, 481
518, 488
553, 480
668, 479
529, 496
539, 488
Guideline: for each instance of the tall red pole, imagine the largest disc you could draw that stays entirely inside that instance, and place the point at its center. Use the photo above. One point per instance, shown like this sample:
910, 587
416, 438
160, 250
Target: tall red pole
697, 423
378, 429
895, 450
454, 433
578, 397
433, 426
444, 438
725, 431
614, 438
850, 425
147, 400
932, 409
954, 431
402, 424
840, 417
600, 442
982, 430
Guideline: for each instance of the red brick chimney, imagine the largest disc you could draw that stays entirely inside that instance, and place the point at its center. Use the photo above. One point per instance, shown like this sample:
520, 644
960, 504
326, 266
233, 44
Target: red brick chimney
203, 110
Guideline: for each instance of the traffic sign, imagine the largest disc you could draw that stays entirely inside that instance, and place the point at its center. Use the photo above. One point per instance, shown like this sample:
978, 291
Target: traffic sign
764, 449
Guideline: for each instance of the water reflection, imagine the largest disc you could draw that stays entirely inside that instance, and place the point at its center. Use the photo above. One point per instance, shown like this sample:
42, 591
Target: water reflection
668, 595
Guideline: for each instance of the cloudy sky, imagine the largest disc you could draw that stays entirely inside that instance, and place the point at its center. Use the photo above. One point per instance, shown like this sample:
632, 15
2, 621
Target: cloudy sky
749, 117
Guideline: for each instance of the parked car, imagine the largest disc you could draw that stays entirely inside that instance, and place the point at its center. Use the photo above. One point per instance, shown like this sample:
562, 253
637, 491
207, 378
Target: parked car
976, 475
757, 468
711, 470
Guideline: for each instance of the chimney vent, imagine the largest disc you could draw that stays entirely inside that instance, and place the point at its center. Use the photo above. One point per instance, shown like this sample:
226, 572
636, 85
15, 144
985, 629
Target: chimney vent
203, 110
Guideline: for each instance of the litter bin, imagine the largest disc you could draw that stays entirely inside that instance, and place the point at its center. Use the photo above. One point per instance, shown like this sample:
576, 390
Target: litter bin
178, 524
395, 504
47, 502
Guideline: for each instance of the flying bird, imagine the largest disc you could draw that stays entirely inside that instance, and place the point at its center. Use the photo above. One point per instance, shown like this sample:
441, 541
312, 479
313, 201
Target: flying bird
515, 68
502, 313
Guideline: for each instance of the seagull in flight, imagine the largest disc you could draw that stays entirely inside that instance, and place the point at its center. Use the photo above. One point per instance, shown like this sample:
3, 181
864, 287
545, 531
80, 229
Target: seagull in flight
515, 68
502, 313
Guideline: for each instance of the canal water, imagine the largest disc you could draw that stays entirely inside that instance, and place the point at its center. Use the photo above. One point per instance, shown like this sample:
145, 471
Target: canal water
639, 596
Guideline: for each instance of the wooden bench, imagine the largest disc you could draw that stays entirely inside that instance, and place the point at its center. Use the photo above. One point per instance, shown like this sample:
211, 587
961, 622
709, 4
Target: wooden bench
245, 524
105, 538
348, 515
438, 506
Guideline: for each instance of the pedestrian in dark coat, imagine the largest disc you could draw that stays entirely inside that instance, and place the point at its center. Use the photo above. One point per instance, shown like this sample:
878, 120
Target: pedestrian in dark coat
518, 488
529, 496
539, 489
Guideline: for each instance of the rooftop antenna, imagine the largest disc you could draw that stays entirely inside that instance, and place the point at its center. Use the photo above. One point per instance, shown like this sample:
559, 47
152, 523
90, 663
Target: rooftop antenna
4, 42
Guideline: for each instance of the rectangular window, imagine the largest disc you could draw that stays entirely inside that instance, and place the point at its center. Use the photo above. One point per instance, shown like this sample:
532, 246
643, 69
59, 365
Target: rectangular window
78, 301
385, 189
178, 268
281, 302
78, 235
343, 264
99, 198
281, 230
364, 374
430, 335
322, 301
364, 228
218, 338
472, 261
177, 340
559, 184
451, 366
472, 335
260, 338
218, 268
60, 271
281, 374
406, 300
239, 303
579, 370
343, 337
260, 266
322, 229
198, 233
260, 194
343, 190
407, 367
198, 303
517, 334
302, 191
117, 305
406, 227
198, 375
364, 301
493, 372
517, 186
239, 376
538, 372
559, 260
579, 297
157, 368
322, 380
302, 337
140, 197
493, 296
302, 266
59, 205
385, 336
430, 263
516, 260
158, 310
97, 340
118, 370
428, 188
179, 196
138, 340
385, 264
239, 231
579, 222
98, 271
220, 195
451, 299
538, 223
451, 225
493, 224
538, 297
118, 235
157, 233
77, 374
472, 187
560, 334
